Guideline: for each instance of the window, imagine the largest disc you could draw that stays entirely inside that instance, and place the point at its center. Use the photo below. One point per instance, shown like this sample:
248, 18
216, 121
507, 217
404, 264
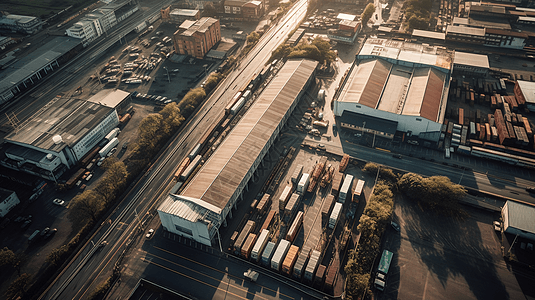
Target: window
184, 230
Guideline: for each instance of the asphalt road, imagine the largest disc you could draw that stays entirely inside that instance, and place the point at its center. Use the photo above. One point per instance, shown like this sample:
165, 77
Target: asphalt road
93, 265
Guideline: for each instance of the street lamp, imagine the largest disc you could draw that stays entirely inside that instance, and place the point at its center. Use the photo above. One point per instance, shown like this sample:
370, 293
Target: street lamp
168, 79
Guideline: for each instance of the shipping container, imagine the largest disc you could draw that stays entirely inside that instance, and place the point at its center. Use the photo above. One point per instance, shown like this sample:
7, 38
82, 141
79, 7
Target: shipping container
264, 204
300, 264
183, 165
110, 145
335, 214
297, 174
247, 95
346, 188
290, 259
260, 244
195, 151
320, 275
248, 228
113, 134
232, 102
272, 216
358, 191
291, 206
331, 274
327, 205
248, 245
294, 228
286, 193
337, 180
303, 183
312, 265
191, 167
343, 163
89, 156
268, 253
236, 107
233, 238
280, 253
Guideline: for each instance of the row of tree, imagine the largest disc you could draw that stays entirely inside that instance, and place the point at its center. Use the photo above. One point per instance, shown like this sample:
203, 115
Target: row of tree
372, 224
319, 50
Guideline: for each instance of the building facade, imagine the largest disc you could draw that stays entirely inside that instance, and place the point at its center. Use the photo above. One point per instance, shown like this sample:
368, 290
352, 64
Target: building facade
197, 38
21, 24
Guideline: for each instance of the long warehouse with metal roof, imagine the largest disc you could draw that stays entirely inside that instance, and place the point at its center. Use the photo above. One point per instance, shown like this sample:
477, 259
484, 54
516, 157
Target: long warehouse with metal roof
207, 200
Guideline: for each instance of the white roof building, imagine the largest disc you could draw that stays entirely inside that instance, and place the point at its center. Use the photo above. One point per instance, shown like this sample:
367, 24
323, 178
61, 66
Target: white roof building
519, 219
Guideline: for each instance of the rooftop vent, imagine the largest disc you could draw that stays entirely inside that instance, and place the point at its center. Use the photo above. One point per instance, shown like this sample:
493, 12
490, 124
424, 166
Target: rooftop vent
57, 139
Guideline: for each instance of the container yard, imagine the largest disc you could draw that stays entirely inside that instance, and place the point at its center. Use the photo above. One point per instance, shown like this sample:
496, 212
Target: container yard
306, 231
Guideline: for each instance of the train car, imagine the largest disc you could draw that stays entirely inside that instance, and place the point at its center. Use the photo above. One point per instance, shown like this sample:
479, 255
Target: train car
183, 165
294, 228
187, 172
232, 102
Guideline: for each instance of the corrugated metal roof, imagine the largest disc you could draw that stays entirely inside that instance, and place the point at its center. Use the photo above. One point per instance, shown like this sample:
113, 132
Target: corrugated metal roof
521, 216
471, 59
190, 209
366, 83
69, 118
425, 94
109, 97
528, 90
429, 34
222, 174
466, 30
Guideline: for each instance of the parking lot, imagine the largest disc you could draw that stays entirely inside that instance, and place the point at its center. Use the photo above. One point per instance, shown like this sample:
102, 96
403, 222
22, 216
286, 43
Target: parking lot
438, 257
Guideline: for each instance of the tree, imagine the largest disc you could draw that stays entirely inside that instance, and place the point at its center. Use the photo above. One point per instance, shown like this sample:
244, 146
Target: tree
86, 207
109, 186
367, 14
209, 9
370, 168
253, 37
212, 81
172, 119
149, 133
18, 287
280, 52
435, 191
55, 257
356, 285
7, 258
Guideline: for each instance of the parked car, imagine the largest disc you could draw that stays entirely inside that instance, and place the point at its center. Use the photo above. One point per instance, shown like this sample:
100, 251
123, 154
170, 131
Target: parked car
58, 202
149, 233
45, 231
26, 224
51, 233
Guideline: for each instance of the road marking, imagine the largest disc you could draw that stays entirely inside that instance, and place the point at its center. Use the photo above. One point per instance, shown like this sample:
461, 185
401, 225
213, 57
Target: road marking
382, 149
425, 285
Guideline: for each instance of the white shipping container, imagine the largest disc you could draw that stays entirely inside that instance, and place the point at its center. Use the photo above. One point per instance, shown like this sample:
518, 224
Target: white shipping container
234, 110
335, 214
312, 265
259, 245
190, 168
303, 183
286, 193
297, 174
113, 134
280, 253
110, 145
195, 151
344, 190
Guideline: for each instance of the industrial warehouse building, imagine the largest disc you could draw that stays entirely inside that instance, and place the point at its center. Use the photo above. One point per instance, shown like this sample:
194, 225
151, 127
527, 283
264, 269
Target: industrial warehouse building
396, 86
59, 135
208, 199
518, 219
22, 74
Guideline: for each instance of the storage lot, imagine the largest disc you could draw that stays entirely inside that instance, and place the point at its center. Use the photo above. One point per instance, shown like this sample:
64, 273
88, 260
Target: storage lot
438, 257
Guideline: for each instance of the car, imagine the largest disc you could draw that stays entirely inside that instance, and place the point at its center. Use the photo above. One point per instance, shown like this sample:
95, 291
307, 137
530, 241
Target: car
167, 101
398, 156
45, 231
89, 177
158, 98
101, 245
51, 233
149, 233
112, 151
321, 147
58, 202
26, 224
125, 145
530, 189
395, 226
100, 161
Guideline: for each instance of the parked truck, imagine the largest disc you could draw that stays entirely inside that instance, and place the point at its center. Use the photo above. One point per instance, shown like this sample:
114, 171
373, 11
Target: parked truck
382, 270
346, 188
334, 215
303, 183
357, 194
280, 253
110, 145
337, 180
260, 244
286, 193
251, 275
268, 254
